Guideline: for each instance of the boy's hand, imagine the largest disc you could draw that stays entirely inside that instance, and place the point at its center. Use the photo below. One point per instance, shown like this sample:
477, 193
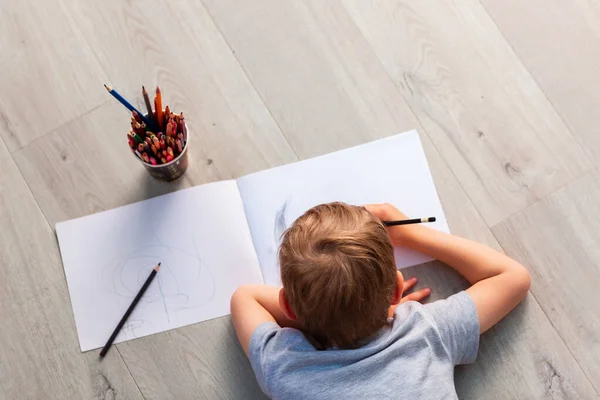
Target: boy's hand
419, 295
387, 212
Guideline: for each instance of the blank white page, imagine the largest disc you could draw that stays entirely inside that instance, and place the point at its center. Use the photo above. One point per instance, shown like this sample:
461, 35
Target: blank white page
392, 170
202, 239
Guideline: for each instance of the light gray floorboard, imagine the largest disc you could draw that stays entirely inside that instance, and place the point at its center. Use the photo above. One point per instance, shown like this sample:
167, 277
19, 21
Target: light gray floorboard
38, 342
485, 113
558, 239
559, 42
263, 83
328, 65
48, 72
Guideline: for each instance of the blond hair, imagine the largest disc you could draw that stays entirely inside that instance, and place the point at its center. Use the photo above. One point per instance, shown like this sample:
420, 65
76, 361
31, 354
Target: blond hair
338, 273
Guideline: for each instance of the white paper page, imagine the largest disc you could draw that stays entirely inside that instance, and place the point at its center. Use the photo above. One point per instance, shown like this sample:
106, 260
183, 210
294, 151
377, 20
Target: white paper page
202, 239
392, 170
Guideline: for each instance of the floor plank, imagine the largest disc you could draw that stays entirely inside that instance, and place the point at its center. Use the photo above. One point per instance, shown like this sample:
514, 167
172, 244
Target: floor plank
307, 82
48, 71
484, 112
315, 72
311, 76
562, 51
72, 177
559, 240
86, 166
522, 356
186, 55
202, 361
40, 352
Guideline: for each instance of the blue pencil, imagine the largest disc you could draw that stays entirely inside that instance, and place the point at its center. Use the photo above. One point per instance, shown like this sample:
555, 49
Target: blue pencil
130, 107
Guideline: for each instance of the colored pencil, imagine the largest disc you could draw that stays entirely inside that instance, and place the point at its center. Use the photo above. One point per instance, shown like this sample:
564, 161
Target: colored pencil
155, 138
409, 221
129, 310
183, 129
135, 137
158, 110
148, 105
127, 104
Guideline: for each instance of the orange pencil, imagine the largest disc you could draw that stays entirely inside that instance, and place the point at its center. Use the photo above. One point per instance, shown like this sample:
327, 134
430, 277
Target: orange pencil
158, 109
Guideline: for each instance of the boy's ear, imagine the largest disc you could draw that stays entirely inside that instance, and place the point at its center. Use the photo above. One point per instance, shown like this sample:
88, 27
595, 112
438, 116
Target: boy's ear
285, 306
399, 288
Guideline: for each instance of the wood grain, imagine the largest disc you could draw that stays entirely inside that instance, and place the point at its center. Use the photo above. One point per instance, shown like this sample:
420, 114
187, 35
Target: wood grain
522, 356
311, 76
264, 83
73, 176
39, 348
48, 71
86, 166
482, 109
202, 361
185, 54
317, 75
561, 49
559, 241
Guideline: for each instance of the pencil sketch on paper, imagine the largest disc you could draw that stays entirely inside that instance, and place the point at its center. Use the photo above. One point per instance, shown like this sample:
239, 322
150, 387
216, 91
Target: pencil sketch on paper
130, 327
181, 274
280, 225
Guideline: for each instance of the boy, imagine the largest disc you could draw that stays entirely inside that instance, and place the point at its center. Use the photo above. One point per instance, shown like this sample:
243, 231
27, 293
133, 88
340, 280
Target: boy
340, 329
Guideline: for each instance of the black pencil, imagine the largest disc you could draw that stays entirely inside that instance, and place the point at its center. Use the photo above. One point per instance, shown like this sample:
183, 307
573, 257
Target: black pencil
409, 221
129, 310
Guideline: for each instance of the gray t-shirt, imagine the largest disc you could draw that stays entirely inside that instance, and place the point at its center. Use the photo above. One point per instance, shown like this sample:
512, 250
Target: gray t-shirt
413, 357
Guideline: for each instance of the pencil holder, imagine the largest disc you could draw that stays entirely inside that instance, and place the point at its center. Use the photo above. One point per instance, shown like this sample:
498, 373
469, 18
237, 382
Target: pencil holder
175, 168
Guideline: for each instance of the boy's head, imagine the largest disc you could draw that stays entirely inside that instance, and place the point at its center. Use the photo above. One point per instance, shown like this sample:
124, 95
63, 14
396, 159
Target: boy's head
338, 273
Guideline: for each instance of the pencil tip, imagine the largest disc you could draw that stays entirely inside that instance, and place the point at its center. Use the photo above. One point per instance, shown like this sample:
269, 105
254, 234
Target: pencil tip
156, 268
107, 87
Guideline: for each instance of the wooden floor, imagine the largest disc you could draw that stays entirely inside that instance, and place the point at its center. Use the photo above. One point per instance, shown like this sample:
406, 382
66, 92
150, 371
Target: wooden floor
505, 95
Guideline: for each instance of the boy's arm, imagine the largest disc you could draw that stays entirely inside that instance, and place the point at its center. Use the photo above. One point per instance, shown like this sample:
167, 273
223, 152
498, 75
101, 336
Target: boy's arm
251, 305
499, 283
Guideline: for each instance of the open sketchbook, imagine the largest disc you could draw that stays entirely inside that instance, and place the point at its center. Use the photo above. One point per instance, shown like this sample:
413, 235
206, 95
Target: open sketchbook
214, 237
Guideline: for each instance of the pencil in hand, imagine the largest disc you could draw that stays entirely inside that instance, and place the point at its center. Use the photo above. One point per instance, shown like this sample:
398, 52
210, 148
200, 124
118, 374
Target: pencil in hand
129, 310
409, 221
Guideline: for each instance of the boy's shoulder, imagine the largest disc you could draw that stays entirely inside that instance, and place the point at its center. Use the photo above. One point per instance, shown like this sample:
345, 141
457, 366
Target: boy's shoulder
445, 332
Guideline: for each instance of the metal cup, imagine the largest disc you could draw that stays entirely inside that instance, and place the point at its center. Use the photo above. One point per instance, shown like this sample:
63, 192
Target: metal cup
172, 170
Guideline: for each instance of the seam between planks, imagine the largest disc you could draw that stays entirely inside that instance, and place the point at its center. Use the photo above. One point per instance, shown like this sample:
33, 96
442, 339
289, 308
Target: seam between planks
52, 230
461, 185
262, 100
537, 83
